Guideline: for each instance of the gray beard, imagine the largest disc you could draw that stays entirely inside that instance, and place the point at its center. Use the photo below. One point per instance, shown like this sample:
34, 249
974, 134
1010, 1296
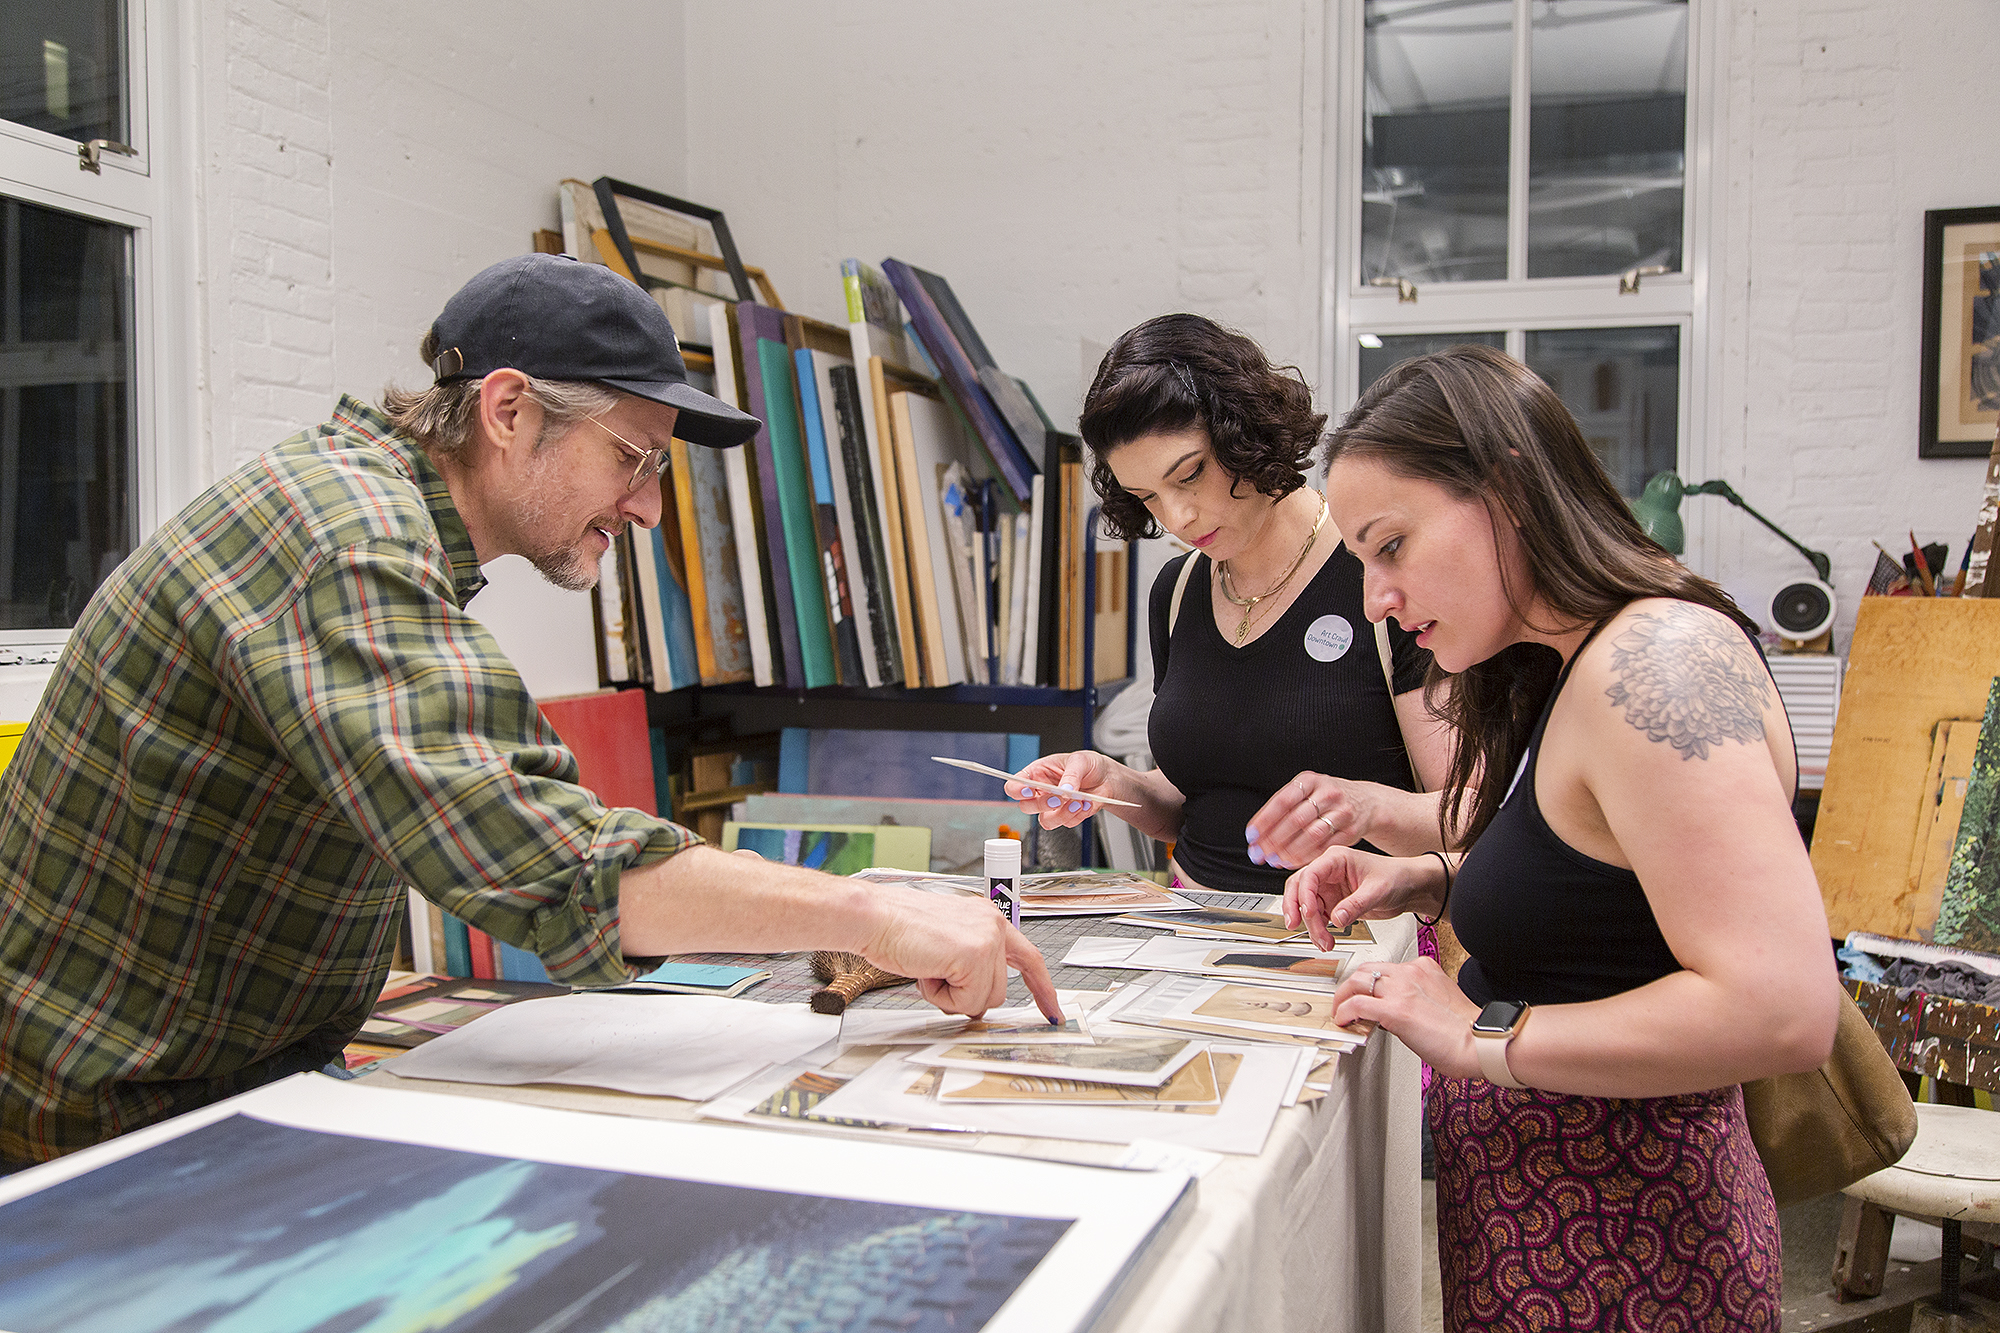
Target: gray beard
566, 568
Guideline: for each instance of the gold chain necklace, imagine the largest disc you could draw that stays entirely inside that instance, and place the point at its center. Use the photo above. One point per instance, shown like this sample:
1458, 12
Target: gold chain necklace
1249, 604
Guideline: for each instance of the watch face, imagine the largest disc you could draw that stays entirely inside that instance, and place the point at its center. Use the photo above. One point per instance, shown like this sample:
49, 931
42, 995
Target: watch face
1499, 1016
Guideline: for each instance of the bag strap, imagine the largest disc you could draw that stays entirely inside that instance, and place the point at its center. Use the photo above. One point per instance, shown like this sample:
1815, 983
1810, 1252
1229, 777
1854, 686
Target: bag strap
1180, 586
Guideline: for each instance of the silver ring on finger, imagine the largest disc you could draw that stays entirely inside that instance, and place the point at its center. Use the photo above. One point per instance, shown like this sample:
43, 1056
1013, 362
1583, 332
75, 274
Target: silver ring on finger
1327, 824
1374, 980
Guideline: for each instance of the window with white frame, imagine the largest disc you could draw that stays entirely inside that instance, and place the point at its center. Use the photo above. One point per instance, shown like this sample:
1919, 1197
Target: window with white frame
1527, 174
80, 203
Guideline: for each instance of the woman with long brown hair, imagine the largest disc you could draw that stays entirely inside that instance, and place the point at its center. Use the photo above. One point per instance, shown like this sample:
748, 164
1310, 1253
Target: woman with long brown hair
1643, 927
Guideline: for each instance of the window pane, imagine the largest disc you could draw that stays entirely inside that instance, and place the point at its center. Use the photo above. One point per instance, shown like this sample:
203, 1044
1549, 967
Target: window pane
1606, 136
1379, 352
67, 511
1434, 152
62, 67
1623, 388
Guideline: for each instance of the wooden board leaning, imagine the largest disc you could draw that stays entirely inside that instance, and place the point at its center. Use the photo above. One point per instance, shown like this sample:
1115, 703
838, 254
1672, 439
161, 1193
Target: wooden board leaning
1914, 662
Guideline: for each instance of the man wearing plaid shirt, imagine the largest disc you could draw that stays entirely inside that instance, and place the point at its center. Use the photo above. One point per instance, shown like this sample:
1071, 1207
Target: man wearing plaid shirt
276, 713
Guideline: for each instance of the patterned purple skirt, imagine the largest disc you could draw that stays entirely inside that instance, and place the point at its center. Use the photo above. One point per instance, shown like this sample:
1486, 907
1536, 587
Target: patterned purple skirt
1559, 1212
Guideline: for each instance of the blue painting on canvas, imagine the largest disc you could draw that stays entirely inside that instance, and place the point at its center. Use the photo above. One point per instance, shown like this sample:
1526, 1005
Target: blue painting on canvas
840, 762
244, 1225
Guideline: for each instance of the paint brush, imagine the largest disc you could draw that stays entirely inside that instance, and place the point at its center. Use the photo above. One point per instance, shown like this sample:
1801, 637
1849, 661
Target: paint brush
1924, 584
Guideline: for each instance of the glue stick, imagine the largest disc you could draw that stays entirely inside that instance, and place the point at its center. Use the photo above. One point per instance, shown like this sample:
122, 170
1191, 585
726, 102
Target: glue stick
1003, 876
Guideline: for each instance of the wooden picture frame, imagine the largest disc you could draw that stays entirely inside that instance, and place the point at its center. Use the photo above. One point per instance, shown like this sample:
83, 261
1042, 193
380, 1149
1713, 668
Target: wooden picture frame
1959, 393
609, 191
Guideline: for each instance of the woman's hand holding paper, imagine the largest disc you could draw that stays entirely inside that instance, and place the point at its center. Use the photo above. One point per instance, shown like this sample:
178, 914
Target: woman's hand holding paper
1420, 1004
1343, 886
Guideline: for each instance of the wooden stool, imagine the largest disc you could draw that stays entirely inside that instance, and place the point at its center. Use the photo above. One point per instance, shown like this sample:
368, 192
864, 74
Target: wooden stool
1951, 1175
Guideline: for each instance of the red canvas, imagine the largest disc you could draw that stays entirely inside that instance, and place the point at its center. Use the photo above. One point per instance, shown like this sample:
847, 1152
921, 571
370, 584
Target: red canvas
614, 750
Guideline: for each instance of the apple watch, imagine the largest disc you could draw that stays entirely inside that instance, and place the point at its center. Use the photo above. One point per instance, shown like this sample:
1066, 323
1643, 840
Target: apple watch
1498, 1023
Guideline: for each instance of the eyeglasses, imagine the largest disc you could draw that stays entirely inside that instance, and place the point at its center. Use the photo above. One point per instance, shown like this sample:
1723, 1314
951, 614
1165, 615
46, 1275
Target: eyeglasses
651, 461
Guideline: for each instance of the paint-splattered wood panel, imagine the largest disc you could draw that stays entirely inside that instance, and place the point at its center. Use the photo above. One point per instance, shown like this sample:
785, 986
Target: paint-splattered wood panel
1957, 1041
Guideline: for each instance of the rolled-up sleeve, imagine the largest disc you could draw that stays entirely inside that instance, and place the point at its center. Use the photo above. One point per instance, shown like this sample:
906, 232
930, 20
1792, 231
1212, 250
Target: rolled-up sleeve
375, 684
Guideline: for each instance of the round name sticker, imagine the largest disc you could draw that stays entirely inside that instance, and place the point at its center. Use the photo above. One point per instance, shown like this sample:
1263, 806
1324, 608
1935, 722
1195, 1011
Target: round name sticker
1328, 638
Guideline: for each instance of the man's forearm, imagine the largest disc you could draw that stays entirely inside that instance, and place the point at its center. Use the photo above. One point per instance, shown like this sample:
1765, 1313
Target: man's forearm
702, 899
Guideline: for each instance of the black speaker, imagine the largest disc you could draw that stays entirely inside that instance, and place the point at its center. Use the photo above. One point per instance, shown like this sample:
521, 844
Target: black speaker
1803, 610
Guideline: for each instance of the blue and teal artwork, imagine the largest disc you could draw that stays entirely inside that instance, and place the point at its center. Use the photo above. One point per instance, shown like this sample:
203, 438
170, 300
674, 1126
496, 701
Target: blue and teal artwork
248, 1227
815, 849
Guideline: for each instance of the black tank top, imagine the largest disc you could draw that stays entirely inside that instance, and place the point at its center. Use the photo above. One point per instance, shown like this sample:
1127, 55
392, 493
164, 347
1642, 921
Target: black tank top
1231, 725
1541, 921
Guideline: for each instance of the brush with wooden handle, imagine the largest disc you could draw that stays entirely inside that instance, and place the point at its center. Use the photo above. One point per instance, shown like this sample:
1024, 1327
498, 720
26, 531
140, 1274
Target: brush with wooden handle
848, 976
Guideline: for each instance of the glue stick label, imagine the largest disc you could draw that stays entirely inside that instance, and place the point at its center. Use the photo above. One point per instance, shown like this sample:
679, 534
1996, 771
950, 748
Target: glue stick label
1005, 897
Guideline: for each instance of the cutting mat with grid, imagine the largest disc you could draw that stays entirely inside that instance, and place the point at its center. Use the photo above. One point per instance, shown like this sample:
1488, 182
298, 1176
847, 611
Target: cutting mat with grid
792, 980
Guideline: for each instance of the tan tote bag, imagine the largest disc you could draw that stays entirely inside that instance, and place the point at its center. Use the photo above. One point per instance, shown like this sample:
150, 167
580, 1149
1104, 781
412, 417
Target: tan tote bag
1822, 1130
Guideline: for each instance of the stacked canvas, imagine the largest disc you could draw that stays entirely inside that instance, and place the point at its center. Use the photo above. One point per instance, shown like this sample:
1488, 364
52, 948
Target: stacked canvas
907, 515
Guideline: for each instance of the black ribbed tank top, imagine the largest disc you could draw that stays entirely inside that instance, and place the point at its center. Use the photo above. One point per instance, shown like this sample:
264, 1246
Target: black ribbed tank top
1541, 921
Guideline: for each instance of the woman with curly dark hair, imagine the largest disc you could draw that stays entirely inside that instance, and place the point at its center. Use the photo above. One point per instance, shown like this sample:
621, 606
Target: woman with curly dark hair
1281, 723
1635, 880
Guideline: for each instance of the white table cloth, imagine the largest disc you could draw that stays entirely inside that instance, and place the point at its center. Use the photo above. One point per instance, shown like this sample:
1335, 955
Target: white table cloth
1321, 1231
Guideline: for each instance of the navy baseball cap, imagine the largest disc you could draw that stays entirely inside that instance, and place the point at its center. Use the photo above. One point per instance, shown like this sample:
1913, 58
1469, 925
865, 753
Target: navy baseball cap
555, 318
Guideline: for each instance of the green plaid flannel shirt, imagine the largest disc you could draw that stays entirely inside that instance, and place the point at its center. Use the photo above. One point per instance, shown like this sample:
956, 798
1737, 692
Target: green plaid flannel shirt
269, 719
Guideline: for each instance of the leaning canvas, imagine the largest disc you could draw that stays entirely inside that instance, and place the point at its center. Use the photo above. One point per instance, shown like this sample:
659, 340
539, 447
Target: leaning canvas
837, 849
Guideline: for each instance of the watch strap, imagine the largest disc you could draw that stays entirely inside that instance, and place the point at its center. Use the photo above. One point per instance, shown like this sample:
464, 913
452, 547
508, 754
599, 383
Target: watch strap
1492, 1052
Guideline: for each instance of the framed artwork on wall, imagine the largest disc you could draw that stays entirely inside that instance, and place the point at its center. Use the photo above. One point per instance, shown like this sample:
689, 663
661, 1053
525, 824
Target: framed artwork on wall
1959, 396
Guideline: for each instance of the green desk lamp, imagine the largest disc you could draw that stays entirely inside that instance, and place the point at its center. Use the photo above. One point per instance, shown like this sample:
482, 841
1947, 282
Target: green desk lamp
1658, 512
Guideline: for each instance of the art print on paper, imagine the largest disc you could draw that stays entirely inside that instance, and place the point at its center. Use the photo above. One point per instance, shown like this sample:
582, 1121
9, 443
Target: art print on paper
1280, 963
1292, 1011
1226, 921
1959, 386
1129, 1059
1198, 1089
245, 1224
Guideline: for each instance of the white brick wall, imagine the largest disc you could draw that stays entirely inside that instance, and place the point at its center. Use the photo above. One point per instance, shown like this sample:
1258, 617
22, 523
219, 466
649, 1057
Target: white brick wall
1072, 169
361, 160
1846, 120
452, 125
268, 234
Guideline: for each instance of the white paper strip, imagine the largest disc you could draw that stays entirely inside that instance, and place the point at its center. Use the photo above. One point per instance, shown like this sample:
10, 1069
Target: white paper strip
1308, 1057
1152, 1155
692, 1046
